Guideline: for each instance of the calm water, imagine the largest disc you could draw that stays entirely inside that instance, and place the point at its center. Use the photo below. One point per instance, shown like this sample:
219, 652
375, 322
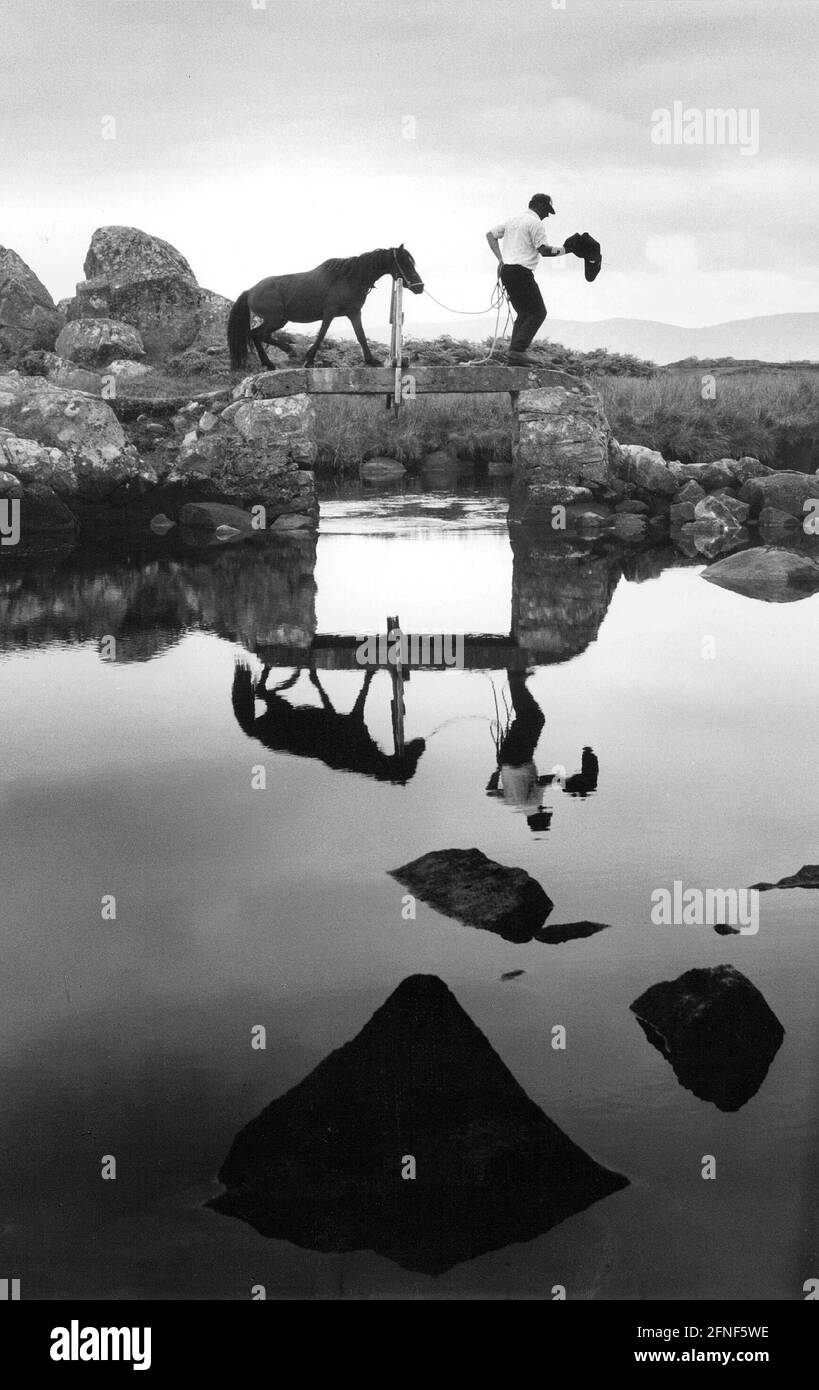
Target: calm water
237, 907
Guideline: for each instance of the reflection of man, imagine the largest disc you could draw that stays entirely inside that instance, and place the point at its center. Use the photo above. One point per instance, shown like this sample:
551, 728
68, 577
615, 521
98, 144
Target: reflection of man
524, 241
516, 779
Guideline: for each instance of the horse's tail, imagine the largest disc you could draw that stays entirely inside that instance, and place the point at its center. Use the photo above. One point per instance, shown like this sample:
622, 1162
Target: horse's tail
244, 697
238, 331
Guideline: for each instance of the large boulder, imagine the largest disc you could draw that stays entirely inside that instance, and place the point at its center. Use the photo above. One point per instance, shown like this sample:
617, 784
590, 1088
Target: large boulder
787, 492
144, 281
29, 319
85, 430
767, 573
97, 342
563, 437
715, 1029
711, 476
646, 468
323, 1166
465, 884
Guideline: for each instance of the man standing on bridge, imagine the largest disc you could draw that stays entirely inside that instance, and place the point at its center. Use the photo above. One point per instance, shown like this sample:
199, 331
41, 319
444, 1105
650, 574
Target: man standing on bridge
524, 239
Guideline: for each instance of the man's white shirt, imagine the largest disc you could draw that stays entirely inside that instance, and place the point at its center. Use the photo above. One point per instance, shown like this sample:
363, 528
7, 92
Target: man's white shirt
522, 237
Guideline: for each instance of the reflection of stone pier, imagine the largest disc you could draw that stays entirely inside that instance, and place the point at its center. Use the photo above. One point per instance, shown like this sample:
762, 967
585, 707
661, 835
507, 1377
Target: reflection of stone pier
561, 592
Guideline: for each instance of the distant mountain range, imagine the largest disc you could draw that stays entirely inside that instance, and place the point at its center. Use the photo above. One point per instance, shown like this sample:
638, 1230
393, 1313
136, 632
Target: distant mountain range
770, 338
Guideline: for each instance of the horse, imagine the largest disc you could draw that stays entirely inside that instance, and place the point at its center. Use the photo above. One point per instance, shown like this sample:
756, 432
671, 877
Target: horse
333, 289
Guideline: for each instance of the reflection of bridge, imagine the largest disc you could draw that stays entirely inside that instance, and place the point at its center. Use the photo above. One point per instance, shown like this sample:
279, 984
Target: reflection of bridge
331, 652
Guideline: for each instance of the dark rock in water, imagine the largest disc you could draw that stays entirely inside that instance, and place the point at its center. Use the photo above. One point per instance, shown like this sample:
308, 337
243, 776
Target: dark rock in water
211, 515
559, 932
382, 470
766, 573
715, 1029
512, 974
723, 929
807, 877
463, 883
322, 1165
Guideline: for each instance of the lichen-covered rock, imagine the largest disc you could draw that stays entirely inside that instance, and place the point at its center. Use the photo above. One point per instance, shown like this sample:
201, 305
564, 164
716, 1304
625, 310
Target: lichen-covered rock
646, 468
85, 430
711, 476
120, 254
144, 281
691, 492
31, 462
563, 437
61, 372
788, 492
98, 341
29, 318
321, 1165
257, 451
747, 467
728, 511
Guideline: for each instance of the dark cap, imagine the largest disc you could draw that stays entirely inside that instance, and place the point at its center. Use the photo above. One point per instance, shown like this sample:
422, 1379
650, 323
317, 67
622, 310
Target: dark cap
542, 204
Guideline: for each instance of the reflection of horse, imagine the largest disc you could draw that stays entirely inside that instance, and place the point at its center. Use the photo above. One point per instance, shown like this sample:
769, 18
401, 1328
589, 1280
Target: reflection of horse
335, 289
341, 741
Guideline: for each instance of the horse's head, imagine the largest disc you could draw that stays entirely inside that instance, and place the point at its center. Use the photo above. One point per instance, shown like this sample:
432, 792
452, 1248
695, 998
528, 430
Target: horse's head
404, 268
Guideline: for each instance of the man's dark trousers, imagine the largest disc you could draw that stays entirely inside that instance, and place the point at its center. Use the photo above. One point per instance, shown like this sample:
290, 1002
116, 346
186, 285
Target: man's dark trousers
527, 302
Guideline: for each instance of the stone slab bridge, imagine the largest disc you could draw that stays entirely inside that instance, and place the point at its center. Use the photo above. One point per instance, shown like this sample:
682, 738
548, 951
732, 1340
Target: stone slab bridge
561, 442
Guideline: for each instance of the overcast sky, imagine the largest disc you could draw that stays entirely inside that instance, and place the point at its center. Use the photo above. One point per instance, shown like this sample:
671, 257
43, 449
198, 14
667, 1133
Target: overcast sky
261, 136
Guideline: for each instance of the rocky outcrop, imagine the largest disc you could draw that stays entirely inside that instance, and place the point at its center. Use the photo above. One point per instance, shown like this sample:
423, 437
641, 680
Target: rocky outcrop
766, 573
255, 450
82, 450
146, 282
29, 318
715, 1029
465, 884
562, 438
322, 1165
97, 342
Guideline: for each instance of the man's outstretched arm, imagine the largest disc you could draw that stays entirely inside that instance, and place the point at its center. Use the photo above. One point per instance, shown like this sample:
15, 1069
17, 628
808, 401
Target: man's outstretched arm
553, 251
495, 247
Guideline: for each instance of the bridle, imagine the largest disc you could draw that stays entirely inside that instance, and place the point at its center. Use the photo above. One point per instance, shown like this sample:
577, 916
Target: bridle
408, 284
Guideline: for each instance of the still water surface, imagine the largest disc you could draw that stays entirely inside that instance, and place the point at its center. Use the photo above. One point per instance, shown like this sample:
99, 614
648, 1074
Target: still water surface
237, 907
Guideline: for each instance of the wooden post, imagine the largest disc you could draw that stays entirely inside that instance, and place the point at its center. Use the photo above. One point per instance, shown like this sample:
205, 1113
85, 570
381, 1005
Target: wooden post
396, 342
397, 708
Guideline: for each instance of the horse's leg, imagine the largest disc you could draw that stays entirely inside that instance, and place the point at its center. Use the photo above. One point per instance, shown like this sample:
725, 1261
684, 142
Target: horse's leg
357, 711
323, 696
320, 336
270, 324
358, 329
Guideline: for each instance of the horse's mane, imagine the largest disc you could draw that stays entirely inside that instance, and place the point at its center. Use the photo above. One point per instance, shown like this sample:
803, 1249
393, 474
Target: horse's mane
365, 268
